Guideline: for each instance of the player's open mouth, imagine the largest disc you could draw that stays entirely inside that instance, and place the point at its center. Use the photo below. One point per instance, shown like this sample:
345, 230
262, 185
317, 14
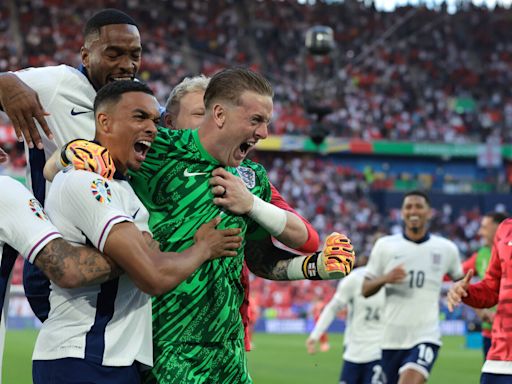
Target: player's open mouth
414, 219
246, 147
141, 148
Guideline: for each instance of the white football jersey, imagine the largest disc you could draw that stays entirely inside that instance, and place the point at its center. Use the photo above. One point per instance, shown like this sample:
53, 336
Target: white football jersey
108, 324
363, 331
68, 96
25, 227
411, 314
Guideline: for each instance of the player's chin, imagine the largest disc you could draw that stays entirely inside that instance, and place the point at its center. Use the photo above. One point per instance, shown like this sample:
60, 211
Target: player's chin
134, 165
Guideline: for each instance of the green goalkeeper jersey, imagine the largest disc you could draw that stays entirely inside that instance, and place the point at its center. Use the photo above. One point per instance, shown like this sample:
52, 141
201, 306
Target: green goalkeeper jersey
173, 185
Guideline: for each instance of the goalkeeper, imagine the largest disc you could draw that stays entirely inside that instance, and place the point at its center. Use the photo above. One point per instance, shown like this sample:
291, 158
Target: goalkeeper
173, 184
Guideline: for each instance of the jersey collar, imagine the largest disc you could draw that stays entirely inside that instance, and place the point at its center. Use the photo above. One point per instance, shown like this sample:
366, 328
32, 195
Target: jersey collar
422, 240
204, 153
82, 69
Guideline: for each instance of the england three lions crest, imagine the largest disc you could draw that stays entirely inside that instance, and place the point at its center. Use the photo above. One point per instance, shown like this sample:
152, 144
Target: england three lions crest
248, 176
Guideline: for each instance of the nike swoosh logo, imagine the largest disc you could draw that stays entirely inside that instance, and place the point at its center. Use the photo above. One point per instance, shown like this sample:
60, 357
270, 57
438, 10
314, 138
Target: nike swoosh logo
135, 214
74, 113
186, 173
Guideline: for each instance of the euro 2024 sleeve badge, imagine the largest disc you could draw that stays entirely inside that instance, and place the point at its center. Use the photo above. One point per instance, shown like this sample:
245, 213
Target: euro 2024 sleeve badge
101, 191
37, 209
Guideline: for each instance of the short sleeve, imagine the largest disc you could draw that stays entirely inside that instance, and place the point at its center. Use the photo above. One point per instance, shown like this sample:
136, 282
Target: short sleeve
24, 224
90, 204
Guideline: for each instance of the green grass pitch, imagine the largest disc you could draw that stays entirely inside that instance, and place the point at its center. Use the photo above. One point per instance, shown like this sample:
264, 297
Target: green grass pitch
277, 359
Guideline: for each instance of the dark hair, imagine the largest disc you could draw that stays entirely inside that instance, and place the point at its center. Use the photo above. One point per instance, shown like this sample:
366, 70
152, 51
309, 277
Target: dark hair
231, 83
112, 92
497, 217
107, 16
418, 193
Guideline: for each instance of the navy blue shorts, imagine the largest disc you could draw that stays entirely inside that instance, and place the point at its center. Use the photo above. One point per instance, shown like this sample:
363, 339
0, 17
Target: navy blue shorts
80, 371
493, 378
362, 373
421, 358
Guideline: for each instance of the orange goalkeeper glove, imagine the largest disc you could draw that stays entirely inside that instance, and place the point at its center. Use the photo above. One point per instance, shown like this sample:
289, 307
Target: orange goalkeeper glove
337, 257
88, 156
334, 261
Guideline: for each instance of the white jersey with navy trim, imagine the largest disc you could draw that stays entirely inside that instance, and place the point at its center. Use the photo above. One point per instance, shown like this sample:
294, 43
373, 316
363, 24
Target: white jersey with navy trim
68, 96
108, 324
363, 331
24, 226
411, 314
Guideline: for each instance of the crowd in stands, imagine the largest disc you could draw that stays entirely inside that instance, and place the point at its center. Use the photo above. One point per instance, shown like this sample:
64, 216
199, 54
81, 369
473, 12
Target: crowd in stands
414, 74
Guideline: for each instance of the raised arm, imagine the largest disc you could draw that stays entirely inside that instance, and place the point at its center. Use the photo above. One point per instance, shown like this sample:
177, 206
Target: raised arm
21, 103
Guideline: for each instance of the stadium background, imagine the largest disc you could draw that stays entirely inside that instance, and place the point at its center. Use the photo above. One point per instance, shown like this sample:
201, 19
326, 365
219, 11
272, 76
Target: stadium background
414, 98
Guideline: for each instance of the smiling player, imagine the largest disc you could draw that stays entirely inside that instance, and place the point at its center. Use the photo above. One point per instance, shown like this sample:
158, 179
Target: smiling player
410, 267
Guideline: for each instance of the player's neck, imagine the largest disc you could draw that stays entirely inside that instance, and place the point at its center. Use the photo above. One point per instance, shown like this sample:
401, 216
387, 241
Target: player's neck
415, 235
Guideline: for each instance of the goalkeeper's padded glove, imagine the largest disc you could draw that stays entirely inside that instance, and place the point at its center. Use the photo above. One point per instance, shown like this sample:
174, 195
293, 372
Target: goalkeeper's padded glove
335, 261
88, 156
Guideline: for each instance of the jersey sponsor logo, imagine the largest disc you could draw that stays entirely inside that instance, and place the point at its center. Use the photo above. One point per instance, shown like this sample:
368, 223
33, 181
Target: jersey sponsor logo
37, 209
186, 173
101, 191
74, 113
248, 176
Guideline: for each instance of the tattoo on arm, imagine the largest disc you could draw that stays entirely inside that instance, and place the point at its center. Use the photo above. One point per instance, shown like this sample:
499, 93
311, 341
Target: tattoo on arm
267, 261
71, 267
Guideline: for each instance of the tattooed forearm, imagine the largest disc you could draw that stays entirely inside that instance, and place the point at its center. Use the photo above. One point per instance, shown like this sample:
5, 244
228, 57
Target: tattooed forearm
71, 267
267, 261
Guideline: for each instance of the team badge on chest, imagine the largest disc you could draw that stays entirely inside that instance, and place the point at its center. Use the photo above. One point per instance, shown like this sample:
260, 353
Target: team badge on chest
248, 176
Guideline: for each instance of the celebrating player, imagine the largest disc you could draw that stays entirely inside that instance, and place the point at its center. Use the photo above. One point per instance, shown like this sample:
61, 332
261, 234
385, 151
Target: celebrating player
174, 184
25, 228
494, 289
363, 331
479, 262
185, 109
60, 98
411, 266
87, 329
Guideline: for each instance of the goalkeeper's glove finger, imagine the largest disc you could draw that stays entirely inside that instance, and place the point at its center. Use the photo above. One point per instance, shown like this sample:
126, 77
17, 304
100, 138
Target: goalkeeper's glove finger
88, 156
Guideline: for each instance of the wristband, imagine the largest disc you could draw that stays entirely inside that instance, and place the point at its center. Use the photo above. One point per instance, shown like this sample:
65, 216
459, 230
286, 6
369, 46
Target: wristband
270, 217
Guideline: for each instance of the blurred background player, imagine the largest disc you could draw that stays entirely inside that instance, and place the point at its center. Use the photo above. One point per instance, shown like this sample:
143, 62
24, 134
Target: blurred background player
410, 267
317, 306
53, 105
363, 329
494, 289
478, 262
